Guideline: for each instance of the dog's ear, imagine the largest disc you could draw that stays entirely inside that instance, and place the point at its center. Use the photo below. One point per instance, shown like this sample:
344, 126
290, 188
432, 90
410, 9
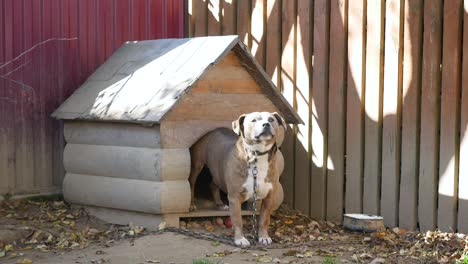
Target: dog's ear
280, 120
238, 125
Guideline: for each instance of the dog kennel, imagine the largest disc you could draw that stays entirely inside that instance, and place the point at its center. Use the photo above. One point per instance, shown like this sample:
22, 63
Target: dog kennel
129, 127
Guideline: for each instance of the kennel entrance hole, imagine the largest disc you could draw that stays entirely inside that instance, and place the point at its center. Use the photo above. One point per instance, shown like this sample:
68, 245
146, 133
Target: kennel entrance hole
203, 197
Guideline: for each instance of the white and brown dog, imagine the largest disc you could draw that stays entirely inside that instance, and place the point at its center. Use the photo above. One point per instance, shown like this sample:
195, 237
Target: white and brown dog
229, 153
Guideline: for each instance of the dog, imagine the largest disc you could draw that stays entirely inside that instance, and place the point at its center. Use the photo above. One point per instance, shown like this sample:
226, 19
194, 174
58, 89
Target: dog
230, 154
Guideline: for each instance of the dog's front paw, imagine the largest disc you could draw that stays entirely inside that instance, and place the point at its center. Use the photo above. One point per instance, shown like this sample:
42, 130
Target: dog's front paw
223, 207
192, 207
265, 241
243, 242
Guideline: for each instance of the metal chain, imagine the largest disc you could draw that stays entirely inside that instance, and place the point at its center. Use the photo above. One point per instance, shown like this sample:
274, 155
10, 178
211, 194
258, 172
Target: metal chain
254, 216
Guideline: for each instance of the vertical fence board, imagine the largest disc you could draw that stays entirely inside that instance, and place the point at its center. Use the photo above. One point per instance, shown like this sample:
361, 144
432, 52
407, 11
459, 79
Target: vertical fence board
430, 113
243, 21
336, 109
24, 147
391, 113
229, 17
372, 159
287, 86
463, 169
411, 88
319, 108
273, 38
302, 95
448, 171
201, 18
258, 31
214, 18
354, 106
8, 100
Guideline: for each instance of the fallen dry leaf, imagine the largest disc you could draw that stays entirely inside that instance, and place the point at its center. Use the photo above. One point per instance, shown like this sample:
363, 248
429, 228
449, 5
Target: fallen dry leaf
24, 261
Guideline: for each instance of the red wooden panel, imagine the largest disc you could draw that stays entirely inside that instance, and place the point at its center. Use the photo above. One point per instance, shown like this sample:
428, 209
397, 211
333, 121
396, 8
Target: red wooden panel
157, 24
122, 25
8, 100
74, 48
175, 18
47, 49
139, 22
91, 15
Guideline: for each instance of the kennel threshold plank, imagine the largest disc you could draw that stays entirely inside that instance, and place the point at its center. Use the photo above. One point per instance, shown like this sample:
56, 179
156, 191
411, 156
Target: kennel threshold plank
391, 112
411, 90
355, 106
336, 118
430, 107
373, 118
450, 107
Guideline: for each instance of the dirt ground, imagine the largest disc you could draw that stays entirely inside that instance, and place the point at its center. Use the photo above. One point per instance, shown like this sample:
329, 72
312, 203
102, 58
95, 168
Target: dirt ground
50, 231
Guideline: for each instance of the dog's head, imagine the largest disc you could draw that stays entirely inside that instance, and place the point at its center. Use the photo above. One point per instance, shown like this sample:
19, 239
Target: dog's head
260, 127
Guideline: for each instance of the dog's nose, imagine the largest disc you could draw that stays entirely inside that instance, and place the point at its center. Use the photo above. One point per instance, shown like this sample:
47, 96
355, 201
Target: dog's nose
266, 125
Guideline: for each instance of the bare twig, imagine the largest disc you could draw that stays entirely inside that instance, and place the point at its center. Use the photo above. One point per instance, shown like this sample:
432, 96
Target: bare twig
35, 46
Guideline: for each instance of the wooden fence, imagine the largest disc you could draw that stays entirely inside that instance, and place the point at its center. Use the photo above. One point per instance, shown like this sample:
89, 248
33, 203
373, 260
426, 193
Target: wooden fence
383, 89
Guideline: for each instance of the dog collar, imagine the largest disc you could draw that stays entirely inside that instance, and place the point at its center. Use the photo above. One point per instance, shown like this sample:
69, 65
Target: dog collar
256, 153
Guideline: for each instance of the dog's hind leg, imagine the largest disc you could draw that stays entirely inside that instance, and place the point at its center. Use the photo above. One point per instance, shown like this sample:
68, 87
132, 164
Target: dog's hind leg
215, 191
195, 170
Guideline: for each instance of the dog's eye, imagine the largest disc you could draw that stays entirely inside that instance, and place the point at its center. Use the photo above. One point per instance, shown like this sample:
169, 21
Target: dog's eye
271, 120
254, 120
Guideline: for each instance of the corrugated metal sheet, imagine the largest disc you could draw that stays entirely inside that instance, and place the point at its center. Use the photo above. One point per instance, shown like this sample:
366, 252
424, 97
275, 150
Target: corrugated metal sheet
47, 49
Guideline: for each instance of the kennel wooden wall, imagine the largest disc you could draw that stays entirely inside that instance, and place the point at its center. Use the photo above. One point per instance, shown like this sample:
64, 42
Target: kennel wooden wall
383, 89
